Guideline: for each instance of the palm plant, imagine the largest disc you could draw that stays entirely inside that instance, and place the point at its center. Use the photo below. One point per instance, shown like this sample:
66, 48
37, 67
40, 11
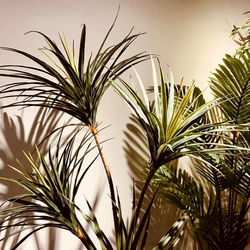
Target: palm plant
175, 126
234, 78
217, 212
177, 123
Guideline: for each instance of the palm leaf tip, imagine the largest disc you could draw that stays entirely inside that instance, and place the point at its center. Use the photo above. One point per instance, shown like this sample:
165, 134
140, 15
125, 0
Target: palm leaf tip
62, 83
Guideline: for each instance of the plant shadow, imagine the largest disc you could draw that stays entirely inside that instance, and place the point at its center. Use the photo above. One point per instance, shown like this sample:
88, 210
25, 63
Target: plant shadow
15, 141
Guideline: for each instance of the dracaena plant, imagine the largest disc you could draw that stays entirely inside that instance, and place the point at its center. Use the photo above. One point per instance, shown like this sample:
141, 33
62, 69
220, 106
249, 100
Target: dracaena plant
69, 85
177, 123
50, 192
172, 125
76, 88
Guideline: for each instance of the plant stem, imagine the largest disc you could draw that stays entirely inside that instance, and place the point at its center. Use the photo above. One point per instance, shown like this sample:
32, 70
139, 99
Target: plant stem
94, 132
143, 192
218, 198
232, 194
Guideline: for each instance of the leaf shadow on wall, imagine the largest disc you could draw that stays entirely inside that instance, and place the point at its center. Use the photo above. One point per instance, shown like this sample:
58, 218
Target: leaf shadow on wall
163, 215
15, 141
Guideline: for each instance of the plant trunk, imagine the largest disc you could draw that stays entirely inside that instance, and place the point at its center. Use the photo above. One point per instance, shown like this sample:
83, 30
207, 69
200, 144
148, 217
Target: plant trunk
143, 192
94, 132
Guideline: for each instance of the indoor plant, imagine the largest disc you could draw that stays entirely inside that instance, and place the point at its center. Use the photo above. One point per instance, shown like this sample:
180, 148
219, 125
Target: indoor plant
177, 123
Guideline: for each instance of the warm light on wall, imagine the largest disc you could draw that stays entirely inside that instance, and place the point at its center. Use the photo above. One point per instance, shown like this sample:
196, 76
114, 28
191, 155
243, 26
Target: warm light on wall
189, 36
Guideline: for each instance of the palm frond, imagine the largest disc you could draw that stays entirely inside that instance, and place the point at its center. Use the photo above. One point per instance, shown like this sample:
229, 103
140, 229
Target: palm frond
236, 228
181, 189
231, 82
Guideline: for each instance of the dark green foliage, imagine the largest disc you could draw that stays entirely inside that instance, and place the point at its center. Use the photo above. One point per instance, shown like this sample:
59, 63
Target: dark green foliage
66, 85
231, 82
218, 210
51, 191
177, 123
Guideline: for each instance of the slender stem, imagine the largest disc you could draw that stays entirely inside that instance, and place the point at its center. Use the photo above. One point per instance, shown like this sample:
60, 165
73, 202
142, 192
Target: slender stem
143, 192
232, 193
94, 132
199, 241
218, 194
218, 197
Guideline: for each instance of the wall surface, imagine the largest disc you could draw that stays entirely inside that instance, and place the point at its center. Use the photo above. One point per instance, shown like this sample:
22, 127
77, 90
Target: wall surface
190, 37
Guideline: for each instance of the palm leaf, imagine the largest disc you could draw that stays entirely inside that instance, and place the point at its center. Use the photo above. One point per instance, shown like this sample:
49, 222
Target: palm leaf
231, 82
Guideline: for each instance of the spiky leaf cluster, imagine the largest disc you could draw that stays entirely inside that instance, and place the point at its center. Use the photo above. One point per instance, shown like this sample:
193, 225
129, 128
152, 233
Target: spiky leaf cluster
51, 191
67, 84
177, 125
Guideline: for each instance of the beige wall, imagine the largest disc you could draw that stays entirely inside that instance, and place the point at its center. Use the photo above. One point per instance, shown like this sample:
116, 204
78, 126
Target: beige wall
191, 36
